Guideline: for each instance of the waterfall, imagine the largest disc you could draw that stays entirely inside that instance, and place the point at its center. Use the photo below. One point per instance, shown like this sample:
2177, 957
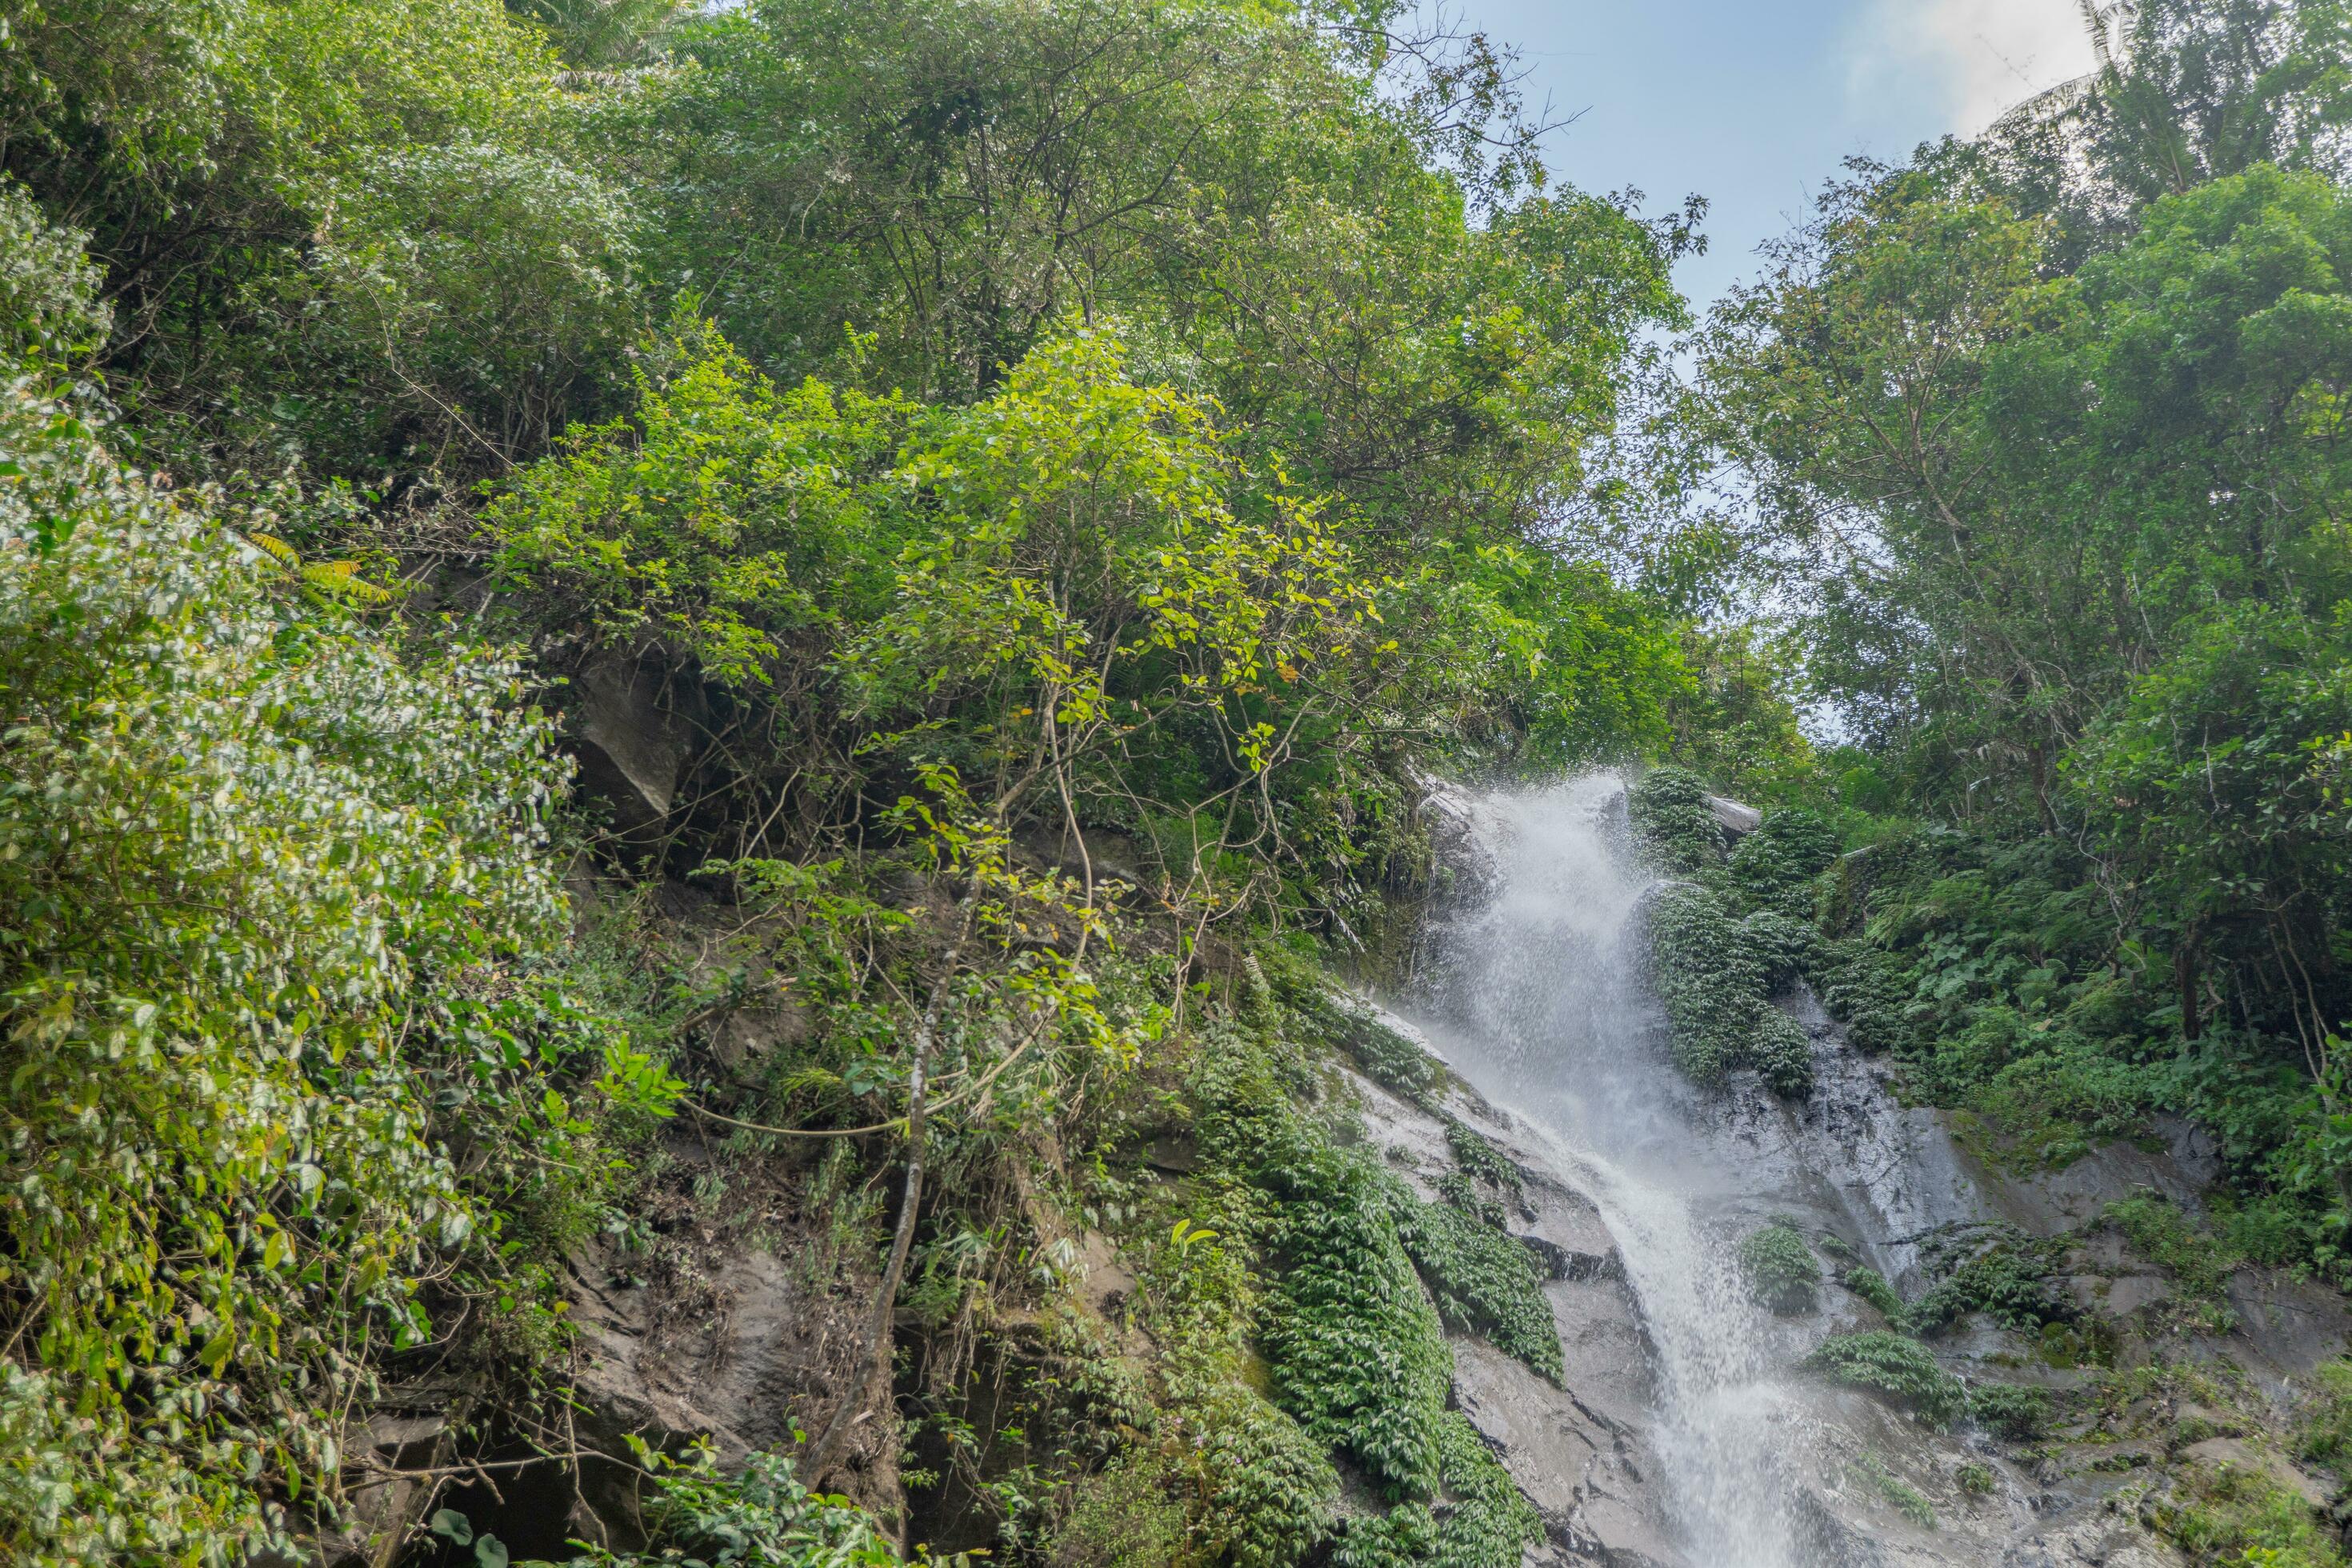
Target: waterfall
1537, 1000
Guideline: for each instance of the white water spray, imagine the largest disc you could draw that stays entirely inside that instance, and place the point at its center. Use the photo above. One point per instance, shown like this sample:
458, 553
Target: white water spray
1537, 1002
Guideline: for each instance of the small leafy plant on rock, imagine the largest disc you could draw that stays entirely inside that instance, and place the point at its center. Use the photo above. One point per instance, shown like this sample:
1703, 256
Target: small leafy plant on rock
1780, 1270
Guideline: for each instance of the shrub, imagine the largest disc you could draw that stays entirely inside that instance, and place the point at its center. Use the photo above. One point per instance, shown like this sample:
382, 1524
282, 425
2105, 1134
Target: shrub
1479, 1160
1775, 866
49, 310
2008, 1281
1359, 1355
2323, 1433
1267, 1490
1908, 1501
1706, 979
1783, 1053
2198, 1266
1897, 1367
1782, 947
2015, 1411
1871, 1285
1122, 1514
1869, 991
1975, 1478
1484, 1279
1675, 825
1487, 1522
758, 1517
1779, 1269
279, 924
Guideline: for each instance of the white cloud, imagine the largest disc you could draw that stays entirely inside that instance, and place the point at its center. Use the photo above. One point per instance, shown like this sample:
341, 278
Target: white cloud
1981, 57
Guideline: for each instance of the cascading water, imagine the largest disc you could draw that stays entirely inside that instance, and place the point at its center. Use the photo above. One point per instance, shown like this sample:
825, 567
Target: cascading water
1538, 1002
1538, 998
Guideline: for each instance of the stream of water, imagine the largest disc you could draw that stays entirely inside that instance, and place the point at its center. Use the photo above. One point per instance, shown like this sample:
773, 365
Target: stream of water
1537, 1000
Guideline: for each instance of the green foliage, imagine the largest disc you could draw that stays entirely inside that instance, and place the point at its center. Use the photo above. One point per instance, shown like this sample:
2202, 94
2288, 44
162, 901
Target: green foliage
1387, 1057
1868, 991
50, 309
1358, 1354
1897, 1367
1708, 979
1355, 1352
758, 1517
2227, 1514
1871, 1286
1123, 1514
2018, 1412
2074, 381
1783, 1053
1485, 1522
1774, 867
1780, 1270
1712, 981
2198, 1266
1484, 1278
1481, 1161
1908, 1501
1975, 1478
1782, 946
283, 924
355, 231
2323, 1433
1674, 822
1268, 1490
2008, 1280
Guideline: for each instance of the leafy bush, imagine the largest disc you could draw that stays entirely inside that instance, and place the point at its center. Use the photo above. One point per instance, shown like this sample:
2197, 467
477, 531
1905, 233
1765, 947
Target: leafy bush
1774, 868
1387, 1057
1779, 1269
281, 923
1675, 825
1712, 981
2018, 1412
1900, 1368
1267, 1490
1122, 1514
1975, 1478
1479, 1160
2198, 1266
1908, 1501
50, 309
1783, 1053
2009, 1281
2324, 1429
1871, 1285
759, 1517
1782, 945
1867, 990
2226, 1514
1484, 1279
1359, 1356
1484, 1523
1707, 979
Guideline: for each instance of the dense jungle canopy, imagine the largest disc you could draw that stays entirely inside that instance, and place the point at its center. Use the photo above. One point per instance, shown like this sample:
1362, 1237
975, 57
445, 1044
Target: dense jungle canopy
1047, 486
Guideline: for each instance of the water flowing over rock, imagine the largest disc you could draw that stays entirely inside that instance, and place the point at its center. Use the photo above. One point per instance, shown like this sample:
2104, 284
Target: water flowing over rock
1689, 1431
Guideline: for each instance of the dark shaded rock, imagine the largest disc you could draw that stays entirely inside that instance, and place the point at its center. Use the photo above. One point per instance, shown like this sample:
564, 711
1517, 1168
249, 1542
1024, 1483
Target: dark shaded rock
630, 724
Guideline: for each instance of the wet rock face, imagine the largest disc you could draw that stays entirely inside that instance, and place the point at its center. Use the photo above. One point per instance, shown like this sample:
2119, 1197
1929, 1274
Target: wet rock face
1579, 1451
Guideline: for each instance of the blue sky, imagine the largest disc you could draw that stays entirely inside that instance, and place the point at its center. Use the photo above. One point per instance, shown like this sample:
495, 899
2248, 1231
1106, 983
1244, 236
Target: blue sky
1753, 102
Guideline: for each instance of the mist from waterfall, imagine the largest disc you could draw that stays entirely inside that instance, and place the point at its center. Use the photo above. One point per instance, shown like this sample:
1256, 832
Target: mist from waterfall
1537, 999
